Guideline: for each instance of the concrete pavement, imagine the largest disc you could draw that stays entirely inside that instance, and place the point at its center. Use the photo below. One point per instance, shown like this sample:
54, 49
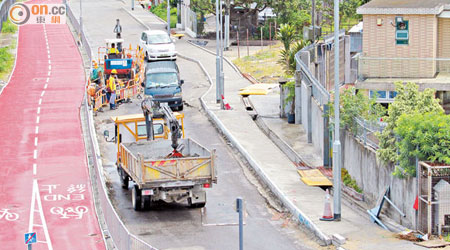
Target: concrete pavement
276, 169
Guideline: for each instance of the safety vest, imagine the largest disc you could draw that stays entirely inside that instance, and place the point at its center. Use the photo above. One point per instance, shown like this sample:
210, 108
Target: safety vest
113, 51
112, 83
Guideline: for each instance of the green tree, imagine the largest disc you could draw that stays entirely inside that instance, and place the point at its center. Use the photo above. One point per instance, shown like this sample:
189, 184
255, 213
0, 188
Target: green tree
287, 57
409, 100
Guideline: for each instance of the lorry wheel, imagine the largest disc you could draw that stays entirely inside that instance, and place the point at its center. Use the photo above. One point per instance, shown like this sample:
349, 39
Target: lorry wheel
180, 108
147, 202
136, 198
124, 179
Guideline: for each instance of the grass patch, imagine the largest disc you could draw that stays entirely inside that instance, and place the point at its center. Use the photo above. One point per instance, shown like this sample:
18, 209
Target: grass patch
161, 12
6, 61
349, 181
9, 27
262, 65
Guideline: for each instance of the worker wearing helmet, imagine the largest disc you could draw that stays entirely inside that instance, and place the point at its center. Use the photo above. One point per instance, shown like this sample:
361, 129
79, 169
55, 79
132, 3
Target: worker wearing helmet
111, 89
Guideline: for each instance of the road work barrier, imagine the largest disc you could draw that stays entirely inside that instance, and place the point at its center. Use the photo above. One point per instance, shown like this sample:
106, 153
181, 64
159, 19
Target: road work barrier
115, 228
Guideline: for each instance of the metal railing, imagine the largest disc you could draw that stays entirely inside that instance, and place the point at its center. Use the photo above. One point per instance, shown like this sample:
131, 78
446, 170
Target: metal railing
366, 131
318, 91
122, 238
4, 8
376, 67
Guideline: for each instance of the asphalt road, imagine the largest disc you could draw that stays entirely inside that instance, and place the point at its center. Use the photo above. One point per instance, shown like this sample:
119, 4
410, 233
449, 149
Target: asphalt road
171, 226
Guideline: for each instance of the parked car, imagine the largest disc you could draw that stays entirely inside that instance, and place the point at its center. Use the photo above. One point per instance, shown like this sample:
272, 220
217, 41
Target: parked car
158, 45
162, 82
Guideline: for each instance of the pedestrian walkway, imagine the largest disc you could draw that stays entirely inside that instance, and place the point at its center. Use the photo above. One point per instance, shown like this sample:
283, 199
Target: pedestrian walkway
274, 167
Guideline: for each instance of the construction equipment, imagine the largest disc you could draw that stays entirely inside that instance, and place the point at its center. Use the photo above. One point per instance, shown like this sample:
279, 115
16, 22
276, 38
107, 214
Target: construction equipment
174, 170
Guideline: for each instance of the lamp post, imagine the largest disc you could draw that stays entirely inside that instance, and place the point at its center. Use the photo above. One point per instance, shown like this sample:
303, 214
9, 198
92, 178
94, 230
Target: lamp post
168, 17
337, 143
222, 77
218, 98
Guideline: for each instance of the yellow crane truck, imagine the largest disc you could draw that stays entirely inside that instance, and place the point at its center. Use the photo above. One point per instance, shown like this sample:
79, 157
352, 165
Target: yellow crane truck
175, 170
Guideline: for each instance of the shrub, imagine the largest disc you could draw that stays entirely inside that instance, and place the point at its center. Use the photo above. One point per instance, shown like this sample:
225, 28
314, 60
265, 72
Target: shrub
9, 27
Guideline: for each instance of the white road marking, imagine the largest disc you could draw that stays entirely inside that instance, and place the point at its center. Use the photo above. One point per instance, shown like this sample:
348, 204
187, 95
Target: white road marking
49, 73
35, 141
39, 110
34, 168
36, 198
40, 101
43, 92
49, 67
49, 62
48, 78
35, 154
37, 120
45, 86
48, 56
37, 130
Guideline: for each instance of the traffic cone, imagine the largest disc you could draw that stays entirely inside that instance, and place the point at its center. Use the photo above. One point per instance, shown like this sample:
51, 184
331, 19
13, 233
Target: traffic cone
226, 104
327, 215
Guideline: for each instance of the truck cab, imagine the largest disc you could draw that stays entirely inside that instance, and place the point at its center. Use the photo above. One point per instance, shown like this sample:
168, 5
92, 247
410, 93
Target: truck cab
162, 82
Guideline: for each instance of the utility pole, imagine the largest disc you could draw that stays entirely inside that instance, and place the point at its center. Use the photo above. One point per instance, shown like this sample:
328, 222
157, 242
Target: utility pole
218, 98
132, 4
222, 77
168, 17
227, 24
313, 20
337, 144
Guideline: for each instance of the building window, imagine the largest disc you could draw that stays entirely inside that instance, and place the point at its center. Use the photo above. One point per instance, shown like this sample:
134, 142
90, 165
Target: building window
401, 31
383, 96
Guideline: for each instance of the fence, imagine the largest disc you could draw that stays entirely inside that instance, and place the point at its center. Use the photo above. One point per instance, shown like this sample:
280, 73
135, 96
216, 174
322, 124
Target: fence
373, 67
192, 21
120, 235
366, 131
4, 8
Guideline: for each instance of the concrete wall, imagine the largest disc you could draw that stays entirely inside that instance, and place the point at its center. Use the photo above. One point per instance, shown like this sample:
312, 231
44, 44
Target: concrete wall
444, 43
373, 178
317, 121
379, 42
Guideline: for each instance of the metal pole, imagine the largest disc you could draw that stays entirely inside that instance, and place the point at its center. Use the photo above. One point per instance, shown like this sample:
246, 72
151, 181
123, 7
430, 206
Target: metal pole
248, 52
222, 77
262, 38
239, 50
218, 98
227, 25
337, 143
313, 19
29, 247
240, 208
168, 17
132, 4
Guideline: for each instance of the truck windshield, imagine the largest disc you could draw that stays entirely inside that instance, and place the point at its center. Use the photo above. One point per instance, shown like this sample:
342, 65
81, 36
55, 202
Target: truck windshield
161, 80
159, 38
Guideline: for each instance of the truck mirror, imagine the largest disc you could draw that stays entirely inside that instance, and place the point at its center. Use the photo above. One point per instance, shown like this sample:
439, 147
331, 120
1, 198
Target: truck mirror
181, 82
106, 133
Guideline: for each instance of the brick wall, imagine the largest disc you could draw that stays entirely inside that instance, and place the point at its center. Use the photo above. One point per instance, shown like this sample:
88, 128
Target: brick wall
444, 43
379, 42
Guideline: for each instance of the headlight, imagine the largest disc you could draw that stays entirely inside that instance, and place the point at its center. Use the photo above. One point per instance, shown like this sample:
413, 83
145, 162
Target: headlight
177, 94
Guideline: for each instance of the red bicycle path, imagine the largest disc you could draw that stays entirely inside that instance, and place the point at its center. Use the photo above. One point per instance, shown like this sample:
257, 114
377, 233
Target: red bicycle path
41, 141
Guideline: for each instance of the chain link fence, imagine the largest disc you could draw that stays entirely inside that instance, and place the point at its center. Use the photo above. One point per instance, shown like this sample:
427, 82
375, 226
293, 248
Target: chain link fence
122, 238
4, 9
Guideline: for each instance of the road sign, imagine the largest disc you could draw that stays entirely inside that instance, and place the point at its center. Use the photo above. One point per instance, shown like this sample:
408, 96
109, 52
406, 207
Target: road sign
30, 238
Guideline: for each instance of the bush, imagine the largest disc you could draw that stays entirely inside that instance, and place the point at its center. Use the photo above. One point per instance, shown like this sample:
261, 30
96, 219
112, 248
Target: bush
425, 136
161, 12
349, 181
6, 60
408, 101
9, 27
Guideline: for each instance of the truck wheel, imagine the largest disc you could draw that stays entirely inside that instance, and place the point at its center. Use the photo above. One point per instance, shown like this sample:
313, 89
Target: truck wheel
146, 57
147, 202
180, 108
124, 179
136, 198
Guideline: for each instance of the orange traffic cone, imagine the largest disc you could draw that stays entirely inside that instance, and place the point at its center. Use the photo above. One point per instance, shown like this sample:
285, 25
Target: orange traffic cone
226, 104
327, 215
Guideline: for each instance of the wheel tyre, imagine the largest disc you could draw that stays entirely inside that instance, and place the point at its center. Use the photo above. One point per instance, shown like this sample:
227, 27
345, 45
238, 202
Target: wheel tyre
146, 57
147, 202
180, 108
136, 198
124, 179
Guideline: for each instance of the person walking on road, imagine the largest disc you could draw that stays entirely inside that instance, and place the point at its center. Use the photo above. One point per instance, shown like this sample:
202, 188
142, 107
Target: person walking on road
111, 90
